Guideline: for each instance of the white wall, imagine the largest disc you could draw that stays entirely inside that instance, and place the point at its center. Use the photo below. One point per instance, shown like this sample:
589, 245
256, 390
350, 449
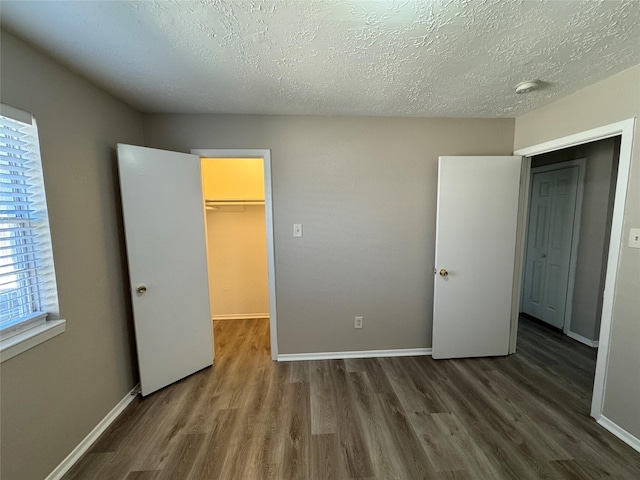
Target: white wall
237, 257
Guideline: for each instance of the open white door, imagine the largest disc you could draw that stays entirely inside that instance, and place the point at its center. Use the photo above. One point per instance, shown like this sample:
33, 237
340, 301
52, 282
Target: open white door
475, 255
163, 211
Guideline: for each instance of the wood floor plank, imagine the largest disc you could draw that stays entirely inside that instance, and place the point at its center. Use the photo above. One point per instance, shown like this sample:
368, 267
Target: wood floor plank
155, 454
455, 475
524, 416
570, 421
414, 395
296, 454
112, 438
325, 461
143, 442
496, 438
323, 407
298, 372
91, 466
250, 458
277, 410
467, 450
378, 438
436, 442
543, 446
182, 459
145, 475
374, 371
353, 447
216, 446
412, 457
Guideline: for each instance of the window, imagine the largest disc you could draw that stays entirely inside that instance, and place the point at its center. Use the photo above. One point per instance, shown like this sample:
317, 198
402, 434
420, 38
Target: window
28, 291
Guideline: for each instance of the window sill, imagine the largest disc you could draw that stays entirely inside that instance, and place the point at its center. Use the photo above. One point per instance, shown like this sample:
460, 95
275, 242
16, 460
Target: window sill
22, 342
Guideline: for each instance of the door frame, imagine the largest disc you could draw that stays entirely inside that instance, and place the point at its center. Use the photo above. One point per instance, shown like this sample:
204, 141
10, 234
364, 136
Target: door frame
581, 163
625, 130
265, 154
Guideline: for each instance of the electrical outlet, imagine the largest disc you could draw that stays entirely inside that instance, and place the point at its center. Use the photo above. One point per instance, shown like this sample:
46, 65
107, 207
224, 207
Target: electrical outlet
358, 322
634, 238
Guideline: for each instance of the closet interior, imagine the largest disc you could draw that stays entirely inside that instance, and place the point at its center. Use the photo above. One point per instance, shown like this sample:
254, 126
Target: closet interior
233, 191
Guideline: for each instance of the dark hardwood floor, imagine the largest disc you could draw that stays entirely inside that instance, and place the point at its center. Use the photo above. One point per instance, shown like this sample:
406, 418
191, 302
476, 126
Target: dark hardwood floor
525, 416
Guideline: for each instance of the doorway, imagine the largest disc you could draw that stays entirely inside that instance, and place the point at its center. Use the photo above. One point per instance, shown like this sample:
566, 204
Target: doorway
567, 248
233, 191
624, 130
164, 216
241, 288
236, 238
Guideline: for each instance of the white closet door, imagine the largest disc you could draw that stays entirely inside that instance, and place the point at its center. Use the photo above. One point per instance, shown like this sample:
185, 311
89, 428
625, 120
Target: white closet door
164, 221
549, 241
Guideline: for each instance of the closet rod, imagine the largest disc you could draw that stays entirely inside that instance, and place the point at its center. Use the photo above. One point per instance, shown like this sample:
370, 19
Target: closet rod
234, 202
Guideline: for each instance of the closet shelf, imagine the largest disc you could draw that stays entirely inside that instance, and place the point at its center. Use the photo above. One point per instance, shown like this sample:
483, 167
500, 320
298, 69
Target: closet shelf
216, 203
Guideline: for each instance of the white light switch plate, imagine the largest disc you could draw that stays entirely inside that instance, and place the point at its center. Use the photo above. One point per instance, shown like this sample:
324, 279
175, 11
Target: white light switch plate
634, 238
297, 229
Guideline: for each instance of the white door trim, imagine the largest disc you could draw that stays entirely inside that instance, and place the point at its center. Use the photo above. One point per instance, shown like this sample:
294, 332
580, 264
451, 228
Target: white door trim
265, 154
581, 163
521, 240
625, 129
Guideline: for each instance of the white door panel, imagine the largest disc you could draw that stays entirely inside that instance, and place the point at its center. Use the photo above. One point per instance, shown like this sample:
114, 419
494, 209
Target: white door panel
475, 242
550, 237
165, 234
537, 285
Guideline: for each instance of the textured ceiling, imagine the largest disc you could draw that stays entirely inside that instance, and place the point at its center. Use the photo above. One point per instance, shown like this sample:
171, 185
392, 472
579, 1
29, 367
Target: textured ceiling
357, 57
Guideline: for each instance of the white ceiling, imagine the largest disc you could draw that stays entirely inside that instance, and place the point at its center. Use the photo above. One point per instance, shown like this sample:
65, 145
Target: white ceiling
346, 57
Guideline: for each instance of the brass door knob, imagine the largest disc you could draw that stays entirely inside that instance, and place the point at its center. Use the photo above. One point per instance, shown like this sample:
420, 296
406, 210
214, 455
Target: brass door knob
141, 289
443, 272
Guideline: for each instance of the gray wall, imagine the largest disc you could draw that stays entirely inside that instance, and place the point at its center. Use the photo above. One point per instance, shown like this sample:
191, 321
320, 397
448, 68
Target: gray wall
365, 190
597, 207
54, 394
614, 99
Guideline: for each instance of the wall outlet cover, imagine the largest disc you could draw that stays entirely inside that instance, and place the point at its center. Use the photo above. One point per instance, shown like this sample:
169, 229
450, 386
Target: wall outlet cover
634, 238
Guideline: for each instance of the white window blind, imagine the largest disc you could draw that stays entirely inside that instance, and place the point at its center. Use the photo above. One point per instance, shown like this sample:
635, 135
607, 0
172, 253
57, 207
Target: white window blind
27, 278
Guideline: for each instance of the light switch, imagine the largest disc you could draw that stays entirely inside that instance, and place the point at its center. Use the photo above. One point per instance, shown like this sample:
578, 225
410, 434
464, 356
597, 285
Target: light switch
634, 238
297, 229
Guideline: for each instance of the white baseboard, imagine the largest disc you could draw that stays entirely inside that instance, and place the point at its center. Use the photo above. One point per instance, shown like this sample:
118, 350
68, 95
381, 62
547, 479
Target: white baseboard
401, 352
581, 339
93, 435
620, 432
240, 316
